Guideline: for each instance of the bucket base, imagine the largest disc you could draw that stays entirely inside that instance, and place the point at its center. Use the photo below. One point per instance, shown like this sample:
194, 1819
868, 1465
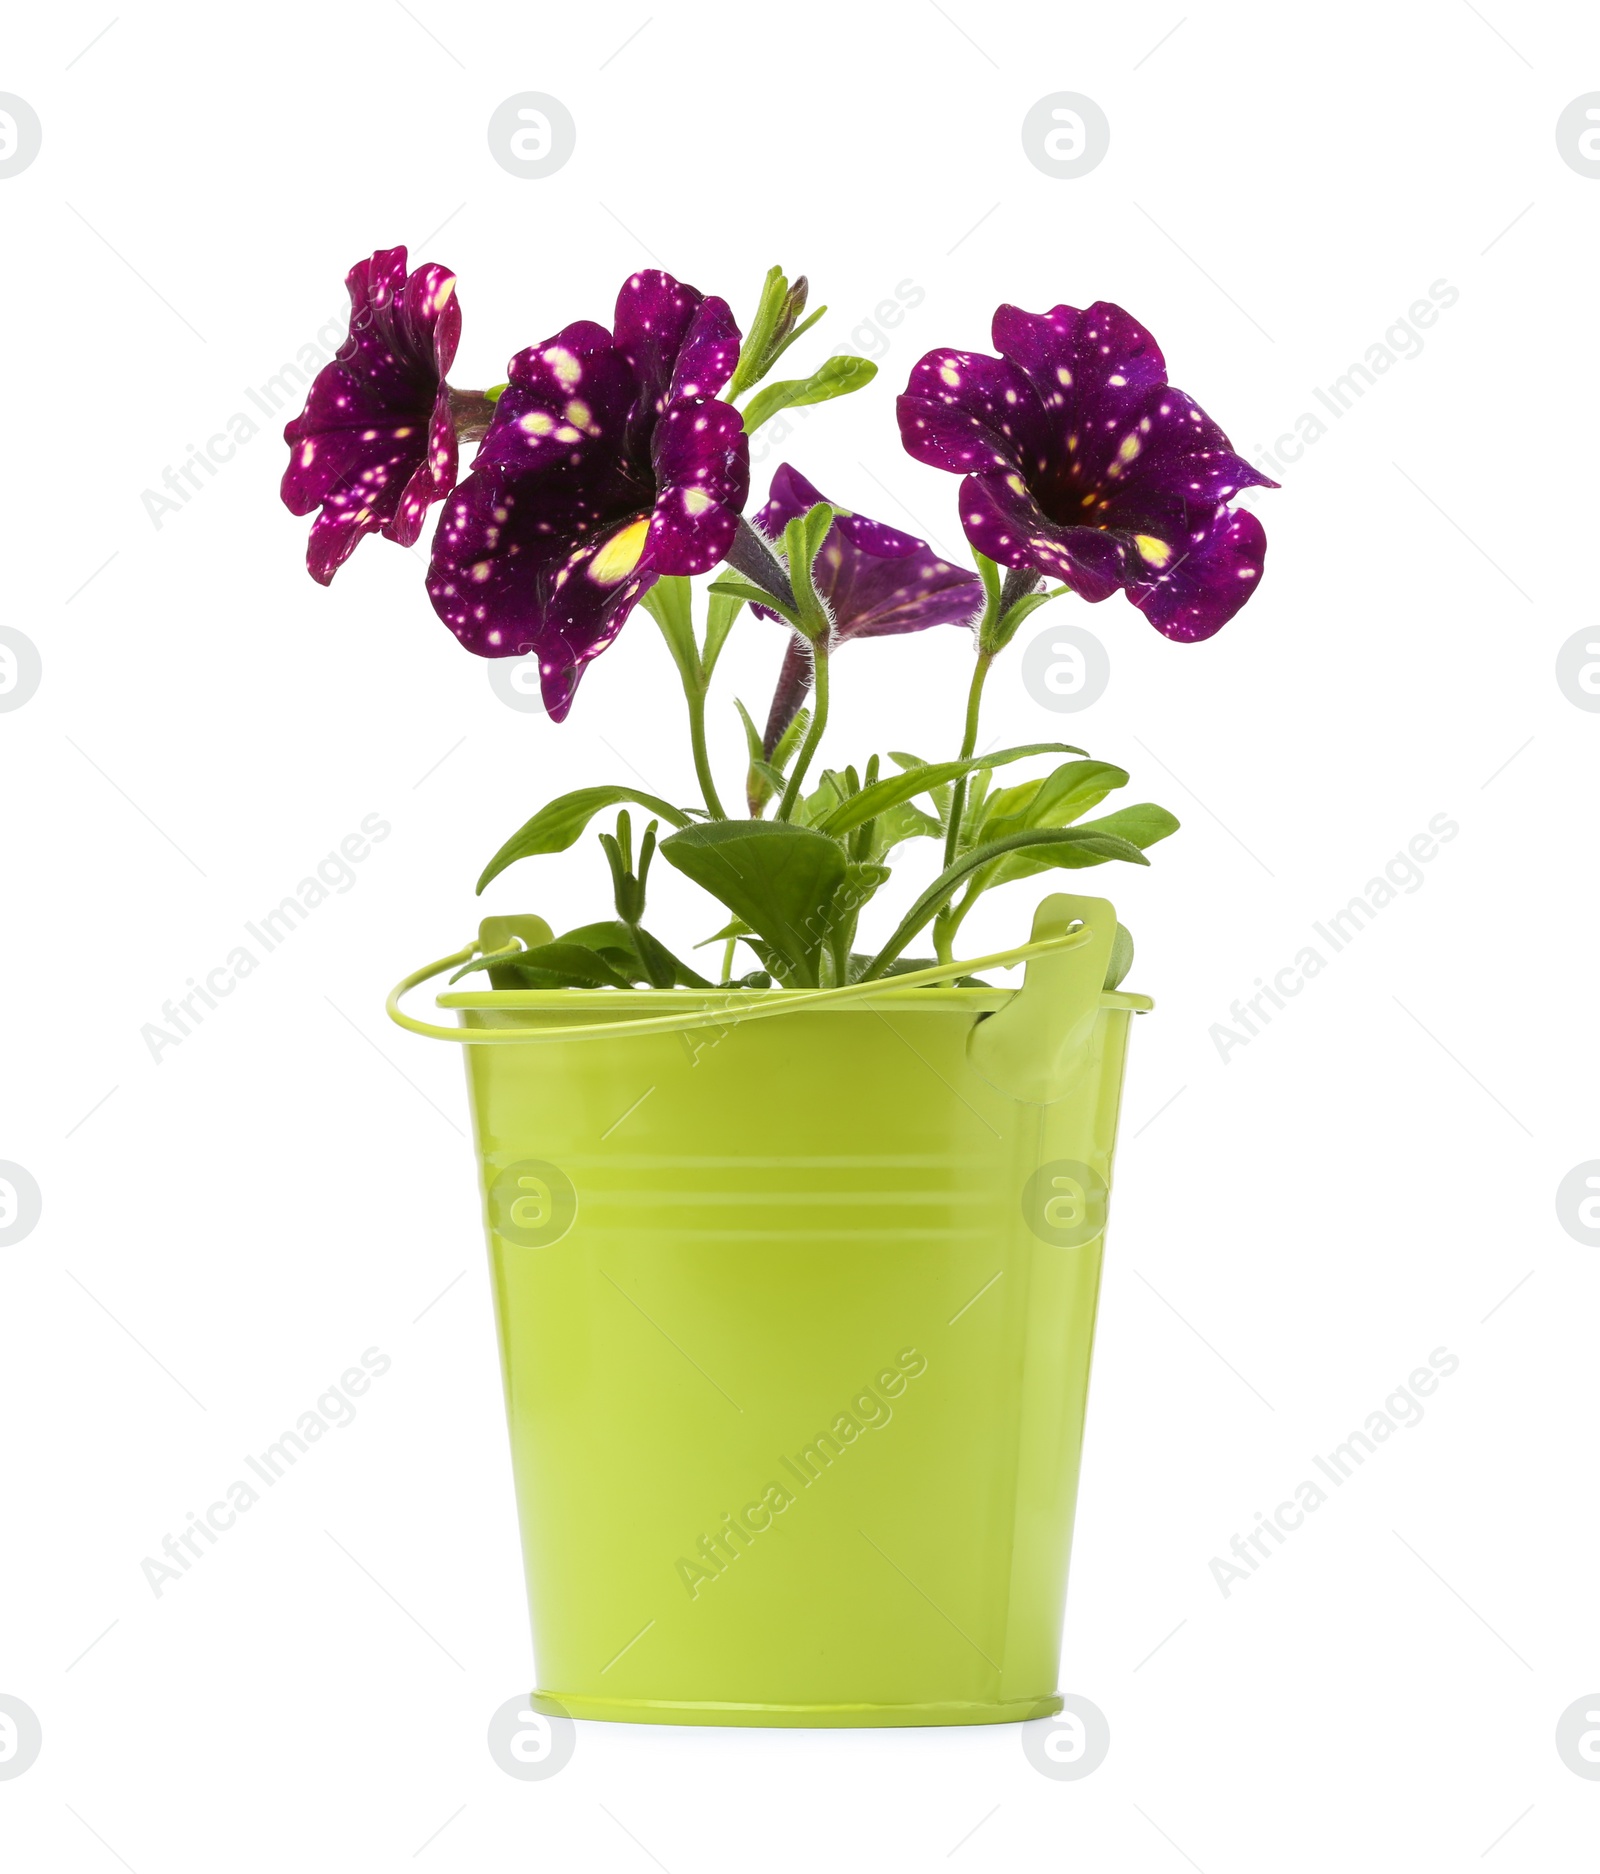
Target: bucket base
796, 1717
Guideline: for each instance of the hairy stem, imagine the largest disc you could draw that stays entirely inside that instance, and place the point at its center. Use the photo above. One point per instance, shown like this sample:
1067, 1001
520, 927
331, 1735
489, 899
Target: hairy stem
808, 747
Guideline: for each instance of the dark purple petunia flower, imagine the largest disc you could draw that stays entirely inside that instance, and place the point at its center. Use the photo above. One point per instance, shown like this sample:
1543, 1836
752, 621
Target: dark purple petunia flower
375, 445
1082, 463
608, 463
876, 581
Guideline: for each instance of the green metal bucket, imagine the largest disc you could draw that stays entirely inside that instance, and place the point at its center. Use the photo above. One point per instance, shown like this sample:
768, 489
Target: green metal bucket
796, 1297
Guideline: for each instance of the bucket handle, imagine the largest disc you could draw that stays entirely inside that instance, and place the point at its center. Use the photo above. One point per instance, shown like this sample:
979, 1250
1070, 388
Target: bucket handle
779, 1002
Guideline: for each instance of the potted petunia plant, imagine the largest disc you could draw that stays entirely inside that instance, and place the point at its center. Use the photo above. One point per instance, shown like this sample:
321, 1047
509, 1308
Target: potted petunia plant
795, 1258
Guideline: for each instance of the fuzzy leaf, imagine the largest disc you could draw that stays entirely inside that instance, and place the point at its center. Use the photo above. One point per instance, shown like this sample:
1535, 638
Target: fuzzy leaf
1051, 846
1056, 800
897, 824
670, 604
1139, 826
722, 609
835, 378
558, 965
555, 827
752, 735
778, 877
608, 954
894, 788
941, 795
731, 586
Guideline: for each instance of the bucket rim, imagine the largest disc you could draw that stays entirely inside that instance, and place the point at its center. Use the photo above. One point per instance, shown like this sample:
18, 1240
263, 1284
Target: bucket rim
634, 1001
1060, 924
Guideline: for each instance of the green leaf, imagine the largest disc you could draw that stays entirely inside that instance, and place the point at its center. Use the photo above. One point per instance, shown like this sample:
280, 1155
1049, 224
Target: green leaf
666, 971
721, 611
766, 777
802, 541
894, 788
862, 877
731, 586
791, 739
752, 735
1007, 627
555, 827
977, 796
1055, 800
778, 877
895, 825
773, 329
1050, 845
772, 779
734, 929
760, 334
609, 954
1139, 826
785, 342
940, 794
558, 965
822, 799
838, 377
669, 602
632, 951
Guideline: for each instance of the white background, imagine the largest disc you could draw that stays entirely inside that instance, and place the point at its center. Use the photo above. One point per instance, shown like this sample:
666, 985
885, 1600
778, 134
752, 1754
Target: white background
1368, 1179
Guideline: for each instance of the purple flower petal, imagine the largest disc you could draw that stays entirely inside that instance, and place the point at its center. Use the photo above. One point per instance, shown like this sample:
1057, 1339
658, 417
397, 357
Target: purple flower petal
677, 342
566, 402
702, 470
374, 446
1194, 590
432, 478
1005, 522
792, 496
520, 566
600, 471
1111, 362
969, 413
1084, 464
877, 582
709, 354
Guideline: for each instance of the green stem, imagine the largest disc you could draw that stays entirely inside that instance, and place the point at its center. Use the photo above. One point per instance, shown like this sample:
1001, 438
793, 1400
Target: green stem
949, 920
969, 741
819, 721
695, 696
